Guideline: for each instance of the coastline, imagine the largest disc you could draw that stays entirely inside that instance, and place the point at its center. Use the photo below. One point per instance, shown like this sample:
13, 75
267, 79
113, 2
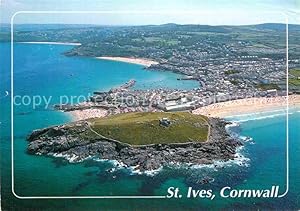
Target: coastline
247, 106
53, 43
217, 110
140, 61
83, 142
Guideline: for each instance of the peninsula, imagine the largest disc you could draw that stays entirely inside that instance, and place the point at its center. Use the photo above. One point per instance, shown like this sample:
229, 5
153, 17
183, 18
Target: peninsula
143, 141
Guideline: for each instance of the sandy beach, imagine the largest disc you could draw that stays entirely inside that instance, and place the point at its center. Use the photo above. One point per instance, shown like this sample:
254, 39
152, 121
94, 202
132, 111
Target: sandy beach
87, 113
53, 43
140, 61
221, 110
248, 105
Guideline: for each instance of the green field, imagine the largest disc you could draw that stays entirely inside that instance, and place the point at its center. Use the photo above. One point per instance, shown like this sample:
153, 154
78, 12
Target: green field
295, 82
144, 128
295, 72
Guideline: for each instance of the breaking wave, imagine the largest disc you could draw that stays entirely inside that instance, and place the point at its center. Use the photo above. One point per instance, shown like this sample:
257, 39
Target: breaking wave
71, 158
261, 115
133, 170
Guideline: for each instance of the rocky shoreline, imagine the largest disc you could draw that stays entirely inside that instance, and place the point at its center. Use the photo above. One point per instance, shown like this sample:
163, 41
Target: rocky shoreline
70, 141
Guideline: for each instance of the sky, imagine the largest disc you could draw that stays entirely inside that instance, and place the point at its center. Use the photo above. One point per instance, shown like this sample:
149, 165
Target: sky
142, 12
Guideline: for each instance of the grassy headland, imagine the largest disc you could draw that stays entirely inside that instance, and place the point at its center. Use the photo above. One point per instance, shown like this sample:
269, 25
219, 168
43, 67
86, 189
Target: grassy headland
295, 80
295, 72
145, 128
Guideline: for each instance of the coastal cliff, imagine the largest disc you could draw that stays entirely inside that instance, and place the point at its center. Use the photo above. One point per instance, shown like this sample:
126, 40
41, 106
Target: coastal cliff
78, 141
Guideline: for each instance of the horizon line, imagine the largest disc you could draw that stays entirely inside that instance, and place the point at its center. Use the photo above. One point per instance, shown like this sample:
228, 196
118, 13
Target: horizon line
159, 24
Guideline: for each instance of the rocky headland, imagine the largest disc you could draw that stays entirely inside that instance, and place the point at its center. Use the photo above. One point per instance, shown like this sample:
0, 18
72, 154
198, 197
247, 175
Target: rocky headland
77, 141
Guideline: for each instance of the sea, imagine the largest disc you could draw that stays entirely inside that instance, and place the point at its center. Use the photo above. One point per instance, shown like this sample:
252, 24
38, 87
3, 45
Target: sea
43, 70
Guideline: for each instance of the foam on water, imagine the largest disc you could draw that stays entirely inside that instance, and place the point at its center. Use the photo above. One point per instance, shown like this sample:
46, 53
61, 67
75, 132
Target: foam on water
261, 115
71, 158
153, 172
239, 159
133, 170
256, 113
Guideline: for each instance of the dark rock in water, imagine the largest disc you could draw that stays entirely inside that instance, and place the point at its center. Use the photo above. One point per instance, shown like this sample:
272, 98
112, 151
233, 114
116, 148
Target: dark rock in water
76, 142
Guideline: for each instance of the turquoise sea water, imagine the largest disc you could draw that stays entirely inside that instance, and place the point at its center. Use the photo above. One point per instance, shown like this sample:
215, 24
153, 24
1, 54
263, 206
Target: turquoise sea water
43, 70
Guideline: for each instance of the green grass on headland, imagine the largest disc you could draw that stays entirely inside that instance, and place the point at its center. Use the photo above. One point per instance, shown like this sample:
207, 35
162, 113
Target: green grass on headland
295, 72
294, 81
144, 127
